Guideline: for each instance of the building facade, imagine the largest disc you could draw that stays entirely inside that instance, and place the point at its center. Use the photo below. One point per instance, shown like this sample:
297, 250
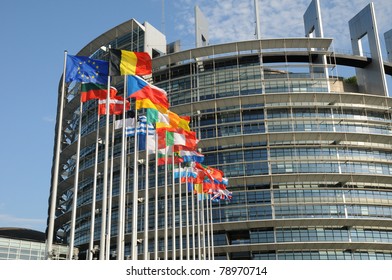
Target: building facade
27, 244
308, 154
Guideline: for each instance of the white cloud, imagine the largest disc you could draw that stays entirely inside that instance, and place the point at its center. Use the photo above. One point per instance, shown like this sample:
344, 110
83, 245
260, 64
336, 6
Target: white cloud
337, 13
232, 20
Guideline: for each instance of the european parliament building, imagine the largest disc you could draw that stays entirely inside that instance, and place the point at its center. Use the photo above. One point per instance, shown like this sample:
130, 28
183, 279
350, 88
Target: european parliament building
308, 154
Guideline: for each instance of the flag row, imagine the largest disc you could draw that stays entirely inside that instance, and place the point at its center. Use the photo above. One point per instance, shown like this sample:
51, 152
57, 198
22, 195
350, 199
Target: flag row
170, 133
121, 62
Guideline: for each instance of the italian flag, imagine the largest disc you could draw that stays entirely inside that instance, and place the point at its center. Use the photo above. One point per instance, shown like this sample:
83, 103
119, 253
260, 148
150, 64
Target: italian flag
176, 137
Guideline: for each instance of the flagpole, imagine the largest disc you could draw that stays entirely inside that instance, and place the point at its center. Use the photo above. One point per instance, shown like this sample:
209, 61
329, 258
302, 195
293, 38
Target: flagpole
156, 197
193, 223
187, 213
124, 204
212, 233
105, 179
145, 243
110, 199
203, 233
198, 226
124, 161
135, 194
53, 196
208, 228
94, 195
173, 210
165, 211
121, 198
125, 179
180, 212
76, 185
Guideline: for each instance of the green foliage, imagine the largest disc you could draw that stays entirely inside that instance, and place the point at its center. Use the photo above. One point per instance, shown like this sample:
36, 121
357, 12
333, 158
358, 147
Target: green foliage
351, 80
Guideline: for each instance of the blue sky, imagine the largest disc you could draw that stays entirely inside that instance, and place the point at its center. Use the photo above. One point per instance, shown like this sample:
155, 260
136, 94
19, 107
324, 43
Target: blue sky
36, 33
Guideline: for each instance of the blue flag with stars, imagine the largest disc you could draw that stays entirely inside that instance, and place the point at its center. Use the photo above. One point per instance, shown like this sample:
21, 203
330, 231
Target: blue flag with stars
86, 70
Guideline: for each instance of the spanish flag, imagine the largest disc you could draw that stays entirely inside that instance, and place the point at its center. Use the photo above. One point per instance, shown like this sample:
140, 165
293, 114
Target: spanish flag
122, 62
147, 103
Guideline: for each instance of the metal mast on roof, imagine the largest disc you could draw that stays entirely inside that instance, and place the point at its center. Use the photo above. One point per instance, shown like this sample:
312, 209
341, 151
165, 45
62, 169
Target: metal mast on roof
258, 34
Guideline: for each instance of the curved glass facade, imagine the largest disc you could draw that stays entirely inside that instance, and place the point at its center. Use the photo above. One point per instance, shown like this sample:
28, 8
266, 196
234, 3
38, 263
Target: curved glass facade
309, 162
309, 165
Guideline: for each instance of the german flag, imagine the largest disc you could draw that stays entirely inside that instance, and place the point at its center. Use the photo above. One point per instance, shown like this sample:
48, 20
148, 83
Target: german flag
122, 62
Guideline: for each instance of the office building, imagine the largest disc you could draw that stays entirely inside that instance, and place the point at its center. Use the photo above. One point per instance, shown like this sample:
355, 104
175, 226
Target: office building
308, 153
27, 244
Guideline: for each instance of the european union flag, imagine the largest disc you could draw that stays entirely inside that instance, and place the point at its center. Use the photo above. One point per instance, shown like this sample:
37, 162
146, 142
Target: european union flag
87, 70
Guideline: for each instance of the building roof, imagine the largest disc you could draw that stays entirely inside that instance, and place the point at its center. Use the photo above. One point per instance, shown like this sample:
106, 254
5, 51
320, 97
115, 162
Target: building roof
106, 37
22, 233
279, 45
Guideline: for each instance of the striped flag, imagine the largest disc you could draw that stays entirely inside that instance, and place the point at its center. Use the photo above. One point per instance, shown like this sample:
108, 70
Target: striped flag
147, 103
168, 119
130, 126
139, 89
89, 91
169, 152
177, 137
191, 156
141, 132
122, 62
